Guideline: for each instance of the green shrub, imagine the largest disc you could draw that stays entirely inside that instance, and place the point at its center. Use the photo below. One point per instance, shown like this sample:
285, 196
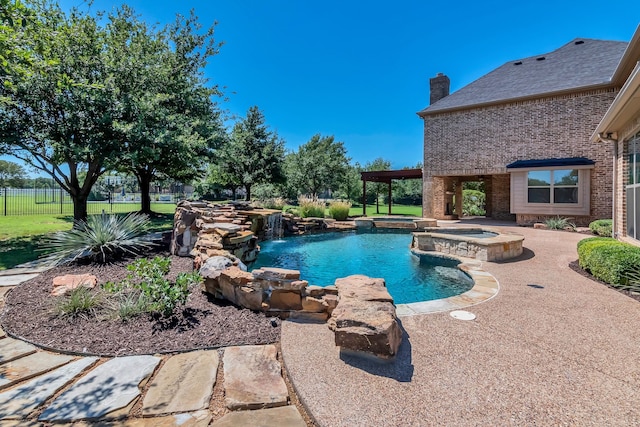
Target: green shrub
602, 227
339, 210
609, 260
156, 293
277, 203
473, 202
613, 263
292, 210
310, 208
559, 223
79, 302
128, 305
101, 238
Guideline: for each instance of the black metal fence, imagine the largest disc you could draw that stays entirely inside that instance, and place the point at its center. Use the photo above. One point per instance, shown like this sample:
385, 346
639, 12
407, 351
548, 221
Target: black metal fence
56, 201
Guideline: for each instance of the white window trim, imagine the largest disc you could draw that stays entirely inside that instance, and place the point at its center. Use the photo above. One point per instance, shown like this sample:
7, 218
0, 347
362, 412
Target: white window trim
520, 187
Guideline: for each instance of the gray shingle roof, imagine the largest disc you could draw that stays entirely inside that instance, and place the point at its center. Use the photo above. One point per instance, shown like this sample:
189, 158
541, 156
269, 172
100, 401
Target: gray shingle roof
580, 63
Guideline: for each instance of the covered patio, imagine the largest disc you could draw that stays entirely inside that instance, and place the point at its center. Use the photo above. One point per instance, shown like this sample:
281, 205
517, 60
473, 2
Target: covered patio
385, 176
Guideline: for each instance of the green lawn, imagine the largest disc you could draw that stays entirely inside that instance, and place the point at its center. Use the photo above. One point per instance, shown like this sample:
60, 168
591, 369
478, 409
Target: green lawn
384, 210
20, 236
356, 210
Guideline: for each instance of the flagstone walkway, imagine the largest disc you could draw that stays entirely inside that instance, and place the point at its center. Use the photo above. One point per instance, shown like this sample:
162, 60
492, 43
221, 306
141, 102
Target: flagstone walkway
39, 387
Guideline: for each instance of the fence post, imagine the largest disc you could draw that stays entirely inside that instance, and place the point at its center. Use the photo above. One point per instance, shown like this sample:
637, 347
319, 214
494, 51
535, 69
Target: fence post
5, 201
61, 200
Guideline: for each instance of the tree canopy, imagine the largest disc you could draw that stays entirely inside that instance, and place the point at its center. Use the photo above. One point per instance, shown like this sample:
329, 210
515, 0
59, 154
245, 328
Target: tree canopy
11, 174
319, 165
252, 154
169, 124
97, 97
61, 111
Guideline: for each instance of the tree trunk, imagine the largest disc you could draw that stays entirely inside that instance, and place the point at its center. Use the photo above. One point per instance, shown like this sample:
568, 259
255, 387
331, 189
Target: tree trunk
79, 207
145, 199
248, 188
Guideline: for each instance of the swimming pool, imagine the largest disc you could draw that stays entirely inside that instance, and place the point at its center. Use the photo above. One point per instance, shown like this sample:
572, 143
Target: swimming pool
322, 258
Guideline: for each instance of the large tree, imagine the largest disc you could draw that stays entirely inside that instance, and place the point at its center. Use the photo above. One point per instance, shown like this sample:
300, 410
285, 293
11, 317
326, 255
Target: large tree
318, 165
58, 116
169, 124
253, 154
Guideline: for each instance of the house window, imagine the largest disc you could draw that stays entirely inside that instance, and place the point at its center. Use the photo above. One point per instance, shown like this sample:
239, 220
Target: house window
558, 186
632, 189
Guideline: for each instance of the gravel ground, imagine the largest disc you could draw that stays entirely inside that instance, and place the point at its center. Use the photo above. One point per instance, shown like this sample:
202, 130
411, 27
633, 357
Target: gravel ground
203, 322
553, 347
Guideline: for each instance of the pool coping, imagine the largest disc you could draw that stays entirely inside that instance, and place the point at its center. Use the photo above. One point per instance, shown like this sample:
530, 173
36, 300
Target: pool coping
485, 287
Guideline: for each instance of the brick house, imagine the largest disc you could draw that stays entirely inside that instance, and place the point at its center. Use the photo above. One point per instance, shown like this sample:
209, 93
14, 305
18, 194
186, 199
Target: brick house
524, 130
620, 130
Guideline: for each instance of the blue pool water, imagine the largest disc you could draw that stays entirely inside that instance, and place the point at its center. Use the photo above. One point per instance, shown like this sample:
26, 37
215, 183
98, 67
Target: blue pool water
322, 258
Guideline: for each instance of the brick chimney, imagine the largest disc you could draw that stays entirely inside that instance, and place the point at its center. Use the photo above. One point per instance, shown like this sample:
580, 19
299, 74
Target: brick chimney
439, 88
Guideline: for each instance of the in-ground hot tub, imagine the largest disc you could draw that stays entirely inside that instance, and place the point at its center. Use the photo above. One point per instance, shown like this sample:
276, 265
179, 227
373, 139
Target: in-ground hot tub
409, 223
484, 244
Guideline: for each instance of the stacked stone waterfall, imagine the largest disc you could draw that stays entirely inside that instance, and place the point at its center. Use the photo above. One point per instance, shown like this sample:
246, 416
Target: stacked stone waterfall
222, 238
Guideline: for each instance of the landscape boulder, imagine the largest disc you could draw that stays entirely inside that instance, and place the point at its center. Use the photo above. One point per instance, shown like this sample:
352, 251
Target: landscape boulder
68, 282
365, 318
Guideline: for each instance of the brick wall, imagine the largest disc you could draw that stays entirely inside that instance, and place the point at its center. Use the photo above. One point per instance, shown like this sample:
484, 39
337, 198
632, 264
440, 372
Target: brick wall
482, 141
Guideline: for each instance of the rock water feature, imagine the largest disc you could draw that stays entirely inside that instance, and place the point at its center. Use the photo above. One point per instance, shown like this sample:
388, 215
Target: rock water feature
223, 238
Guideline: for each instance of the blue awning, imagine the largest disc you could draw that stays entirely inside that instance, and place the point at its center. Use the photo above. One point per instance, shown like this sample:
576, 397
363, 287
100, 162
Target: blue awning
540, 163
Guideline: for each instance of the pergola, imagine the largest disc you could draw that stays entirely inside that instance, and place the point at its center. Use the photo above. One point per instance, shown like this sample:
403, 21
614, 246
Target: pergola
385, 176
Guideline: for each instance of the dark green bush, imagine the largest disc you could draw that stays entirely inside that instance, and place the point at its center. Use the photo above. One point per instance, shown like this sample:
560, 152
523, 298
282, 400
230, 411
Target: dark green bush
602, 227
608, 259
586, 247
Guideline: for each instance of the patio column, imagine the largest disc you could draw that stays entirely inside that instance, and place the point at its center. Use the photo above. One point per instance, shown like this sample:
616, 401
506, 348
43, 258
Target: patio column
389, 197
364, 197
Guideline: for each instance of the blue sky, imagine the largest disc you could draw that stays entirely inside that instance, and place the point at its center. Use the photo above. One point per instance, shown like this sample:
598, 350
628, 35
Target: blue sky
360, 70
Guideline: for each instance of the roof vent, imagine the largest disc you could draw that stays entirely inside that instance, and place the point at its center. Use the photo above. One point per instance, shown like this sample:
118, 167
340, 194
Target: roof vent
578, 42
542, 58
517, 63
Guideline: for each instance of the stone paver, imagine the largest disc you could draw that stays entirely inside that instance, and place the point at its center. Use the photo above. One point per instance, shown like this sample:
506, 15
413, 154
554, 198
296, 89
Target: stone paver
11, 349
16, 279
184, 384
252, 378
30, 366
104, 392
191, 419
20, 401
285, 416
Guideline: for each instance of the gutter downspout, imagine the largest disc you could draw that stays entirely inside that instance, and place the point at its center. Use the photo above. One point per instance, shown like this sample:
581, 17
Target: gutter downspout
614, 208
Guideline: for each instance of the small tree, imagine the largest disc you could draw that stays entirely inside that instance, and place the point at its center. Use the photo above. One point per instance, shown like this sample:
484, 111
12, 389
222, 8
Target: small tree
253, 154
319, 165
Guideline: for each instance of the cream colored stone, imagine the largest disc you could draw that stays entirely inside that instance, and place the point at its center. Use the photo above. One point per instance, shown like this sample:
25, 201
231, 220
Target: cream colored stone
183, 384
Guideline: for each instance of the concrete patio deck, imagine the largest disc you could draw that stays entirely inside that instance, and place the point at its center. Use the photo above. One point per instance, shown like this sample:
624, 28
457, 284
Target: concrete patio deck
552, 348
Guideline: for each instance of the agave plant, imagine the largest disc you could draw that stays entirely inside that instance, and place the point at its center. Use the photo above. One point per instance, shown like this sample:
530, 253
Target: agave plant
632, 281
101, 238
559, 223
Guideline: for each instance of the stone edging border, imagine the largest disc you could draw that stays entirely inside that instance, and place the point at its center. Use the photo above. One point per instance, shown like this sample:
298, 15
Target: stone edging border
485, 287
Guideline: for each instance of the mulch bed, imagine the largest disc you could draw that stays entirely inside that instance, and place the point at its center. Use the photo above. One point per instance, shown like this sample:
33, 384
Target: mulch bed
203, 322
575, 266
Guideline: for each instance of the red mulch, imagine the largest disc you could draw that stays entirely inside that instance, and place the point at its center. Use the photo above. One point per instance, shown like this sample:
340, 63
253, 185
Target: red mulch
203, 322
